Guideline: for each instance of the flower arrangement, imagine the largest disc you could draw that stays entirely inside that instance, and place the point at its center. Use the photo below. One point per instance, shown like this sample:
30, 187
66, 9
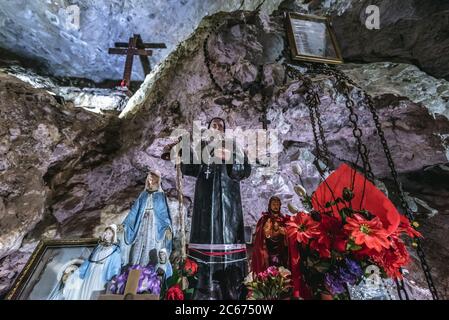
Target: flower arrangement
181, 283
271, 284
149, 281
351, 225
175, 292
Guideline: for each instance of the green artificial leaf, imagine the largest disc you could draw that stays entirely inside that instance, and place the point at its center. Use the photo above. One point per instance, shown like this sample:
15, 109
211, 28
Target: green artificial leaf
348, 194
345, 212
352, 246
323, 266
307, 202
366, 214
174, 279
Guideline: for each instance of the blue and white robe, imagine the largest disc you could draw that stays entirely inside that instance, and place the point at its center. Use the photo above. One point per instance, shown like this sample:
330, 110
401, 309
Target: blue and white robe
145, 228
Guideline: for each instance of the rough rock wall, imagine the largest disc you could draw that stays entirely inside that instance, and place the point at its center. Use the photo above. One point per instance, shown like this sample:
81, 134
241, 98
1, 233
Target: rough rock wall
101, 188
40, 140
44, 30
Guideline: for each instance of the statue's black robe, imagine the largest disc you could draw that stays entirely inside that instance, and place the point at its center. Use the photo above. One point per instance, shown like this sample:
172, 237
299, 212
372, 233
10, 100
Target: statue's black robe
218, 219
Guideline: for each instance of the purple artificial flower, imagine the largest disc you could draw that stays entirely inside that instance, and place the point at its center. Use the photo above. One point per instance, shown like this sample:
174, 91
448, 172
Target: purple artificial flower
334, 284
148, 281
346, 276
353, 267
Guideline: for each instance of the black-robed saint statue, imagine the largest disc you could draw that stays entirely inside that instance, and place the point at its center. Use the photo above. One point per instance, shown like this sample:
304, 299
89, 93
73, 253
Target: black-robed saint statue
217, 240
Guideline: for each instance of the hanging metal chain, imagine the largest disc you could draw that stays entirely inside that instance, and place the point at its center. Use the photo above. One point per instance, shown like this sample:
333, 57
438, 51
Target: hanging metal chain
207, 61
313, 102
353, 118
343, 78
252, 89
402, 293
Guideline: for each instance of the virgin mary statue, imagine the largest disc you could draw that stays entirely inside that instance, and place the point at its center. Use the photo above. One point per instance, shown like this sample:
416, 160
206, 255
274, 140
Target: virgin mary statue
102, 265
148, 226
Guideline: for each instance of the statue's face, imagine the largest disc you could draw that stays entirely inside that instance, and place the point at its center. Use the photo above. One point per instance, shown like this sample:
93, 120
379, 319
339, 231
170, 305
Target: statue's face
108, 235
153, 181
275, 205
67, 272
217, 124
162, 256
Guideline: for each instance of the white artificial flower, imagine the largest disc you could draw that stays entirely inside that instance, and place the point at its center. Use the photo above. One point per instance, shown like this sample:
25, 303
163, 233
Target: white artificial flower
284, 272
296, 168
300, 190
292, 208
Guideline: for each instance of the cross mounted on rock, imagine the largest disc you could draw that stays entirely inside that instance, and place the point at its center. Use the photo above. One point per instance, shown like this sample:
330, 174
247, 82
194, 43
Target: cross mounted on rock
135, 47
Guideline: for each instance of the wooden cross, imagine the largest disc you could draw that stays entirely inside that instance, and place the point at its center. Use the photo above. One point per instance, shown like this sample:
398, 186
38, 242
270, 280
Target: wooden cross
135, 46
130, 290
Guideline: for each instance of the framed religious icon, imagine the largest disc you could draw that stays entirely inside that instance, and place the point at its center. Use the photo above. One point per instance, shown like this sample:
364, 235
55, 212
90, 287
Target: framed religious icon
311, 38
45, 275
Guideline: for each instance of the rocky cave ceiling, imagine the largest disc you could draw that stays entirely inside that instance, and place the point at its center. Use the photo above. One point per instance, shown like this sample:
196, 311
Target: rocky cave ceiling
411, 31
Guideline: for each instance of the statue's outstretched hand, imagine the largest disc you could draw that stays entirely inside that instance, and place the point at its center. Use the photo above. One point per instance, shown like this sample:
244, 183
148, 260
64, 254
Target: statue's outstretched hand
169, 234
223, 154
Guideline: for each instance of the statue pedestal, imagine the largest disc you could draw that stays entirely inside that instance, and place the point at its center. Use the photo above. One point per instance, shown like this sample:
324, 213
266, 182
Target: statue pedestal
130, 290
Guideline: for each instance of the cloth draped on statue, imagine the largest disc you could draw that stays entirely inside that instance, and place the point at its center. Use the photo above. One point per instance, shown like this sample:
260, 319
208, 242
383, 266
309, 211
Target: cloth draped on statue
103, 264
366, 196
261, 253
217, 239
145, 228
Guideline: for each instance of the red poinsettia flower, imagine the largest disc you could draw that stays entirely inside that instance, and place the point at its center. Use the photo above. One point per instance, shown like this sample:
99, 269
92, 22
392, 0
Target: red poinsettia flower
367, 232
190, 267
175, 293
393, 258
332, 228
324, 241
322, 247
302, 228
406, 227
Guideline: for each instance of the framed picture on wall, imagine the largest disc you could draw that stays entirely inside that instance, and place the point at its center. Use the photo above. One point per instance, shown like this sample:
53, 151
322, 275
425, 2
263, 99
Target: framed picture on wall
51, 264
311, 38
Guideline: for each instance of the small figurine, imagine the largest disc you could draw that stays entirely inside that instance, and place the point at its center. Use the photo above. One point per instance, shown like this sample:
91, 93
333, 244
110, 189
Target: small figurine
63, 289
270, 246
102, 265
164, 267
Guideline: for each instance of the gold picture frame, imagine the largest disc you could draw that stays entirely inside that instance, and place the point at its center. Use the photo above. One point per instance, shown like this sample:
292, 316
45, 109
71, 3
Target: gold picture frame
312, 38
21, 285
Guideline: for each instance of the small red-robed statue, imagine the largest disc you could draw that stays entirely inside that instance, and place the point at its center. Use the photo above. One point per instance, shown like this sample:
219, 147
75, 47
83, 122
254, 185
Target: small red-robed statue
270, 245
